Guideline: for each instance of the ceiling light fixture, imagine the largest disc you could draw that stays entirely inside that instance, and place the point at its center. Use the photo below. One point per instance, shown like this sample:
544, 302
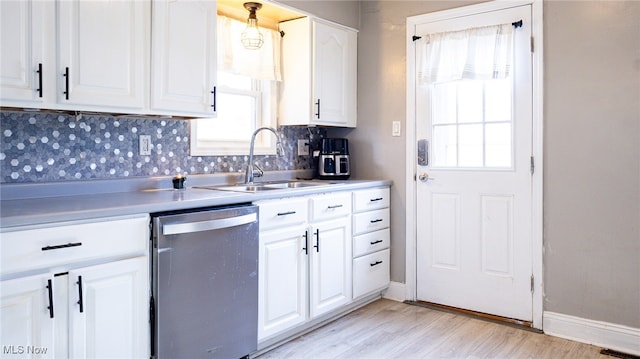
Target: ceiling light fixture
251, 36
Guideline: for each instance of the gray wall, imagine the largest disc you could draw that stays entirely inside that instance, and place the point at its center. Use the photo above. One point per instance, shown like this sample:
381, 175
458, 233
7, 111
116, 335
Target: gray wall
345, 12
592, 146
592, 160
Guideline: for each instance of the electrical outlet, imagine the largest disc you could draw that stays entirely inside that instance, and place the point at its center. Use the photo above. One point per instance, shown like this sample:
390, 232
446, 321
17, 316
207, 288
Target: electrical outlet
144, 145
303, 147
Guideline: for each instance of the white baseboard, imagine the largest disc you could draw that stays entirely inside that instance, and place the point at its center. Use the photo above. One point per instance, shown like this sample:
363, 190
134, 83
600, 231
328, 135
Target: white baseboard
606, 335
395, 292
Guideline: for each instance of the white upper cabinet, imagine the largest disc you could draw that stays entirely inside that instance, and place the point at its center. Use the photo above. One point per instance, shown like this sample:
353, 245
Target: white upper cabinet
103, 54
183, 58
27, 62
137, 57
319, 62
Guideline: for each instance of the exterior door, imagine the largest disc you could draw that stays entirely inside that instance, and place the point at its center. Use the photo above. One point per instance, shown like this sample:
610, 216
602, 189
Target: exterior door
474, 195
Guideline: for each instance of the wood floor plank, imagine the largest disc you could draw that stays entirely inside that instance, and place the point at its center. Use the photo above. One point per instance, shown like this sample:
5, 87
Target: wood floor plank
390, 329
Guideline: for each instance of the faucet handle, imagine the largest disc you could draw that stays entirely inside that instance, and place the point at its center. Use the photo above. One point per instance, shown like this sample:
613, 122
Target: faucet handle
279, 148
258, 172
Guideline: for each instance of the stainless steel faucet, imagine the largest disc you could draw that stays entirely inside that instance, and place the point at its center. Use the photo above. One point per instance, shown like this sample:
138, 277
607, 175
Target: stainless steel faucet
248, 177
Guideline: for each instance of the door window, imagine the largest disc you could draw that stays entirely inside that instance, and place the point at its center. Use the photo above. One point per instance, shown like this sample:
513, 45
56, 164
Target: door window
472, 124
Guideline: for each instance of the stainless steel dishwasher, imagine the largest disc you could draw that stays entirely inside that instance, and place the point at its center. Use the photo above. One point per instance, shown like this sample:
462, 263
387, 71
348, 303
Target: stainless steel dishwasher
205, 283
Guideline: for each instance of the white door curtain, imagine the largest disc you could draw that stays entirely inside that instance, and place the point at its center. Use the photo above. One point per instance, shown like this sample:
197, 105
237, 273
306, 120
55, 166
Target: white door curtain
481, 53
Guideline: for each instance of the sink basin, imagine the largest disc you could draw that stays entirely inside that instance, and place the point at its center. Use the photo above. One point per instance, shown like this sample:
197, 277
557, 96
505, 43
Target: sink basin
293, 184
240, 188
265, 186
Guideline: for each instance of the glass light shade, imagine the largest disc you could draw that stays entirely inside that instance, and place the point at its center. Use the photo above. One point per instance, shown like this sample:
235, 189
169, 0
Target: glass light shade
251, 36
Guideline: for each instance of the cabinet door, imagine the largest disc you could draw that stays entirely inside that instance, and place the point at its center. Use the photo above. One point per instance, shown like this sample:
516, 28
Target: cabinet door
330, 265
27, 60
108, 310
282, 280
335, 75
103, 54
184, 57
27, 325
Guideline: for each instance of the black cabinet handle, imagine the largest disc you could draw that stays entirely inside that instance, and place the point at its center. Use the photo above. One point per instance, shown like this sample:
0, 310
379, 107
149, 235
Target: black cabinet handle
213, 104
376, 242
39, 80
375, 220
375, 199
286, 213
334, 206
317, 246
66, 80
80, 293
318, 113
50, 307
49, 248
306, 243
152, 321
375, 264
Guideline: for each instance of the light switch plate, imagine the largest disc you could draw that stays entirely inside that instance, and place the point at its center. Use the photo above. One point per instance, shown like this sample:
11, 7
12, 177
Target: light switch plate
303, 147
396, 129
144, 145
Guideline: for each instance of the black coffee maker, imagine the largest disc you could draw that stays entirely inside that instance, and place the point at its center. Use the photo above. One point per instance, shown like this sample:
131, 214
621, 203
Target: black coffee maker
333, 159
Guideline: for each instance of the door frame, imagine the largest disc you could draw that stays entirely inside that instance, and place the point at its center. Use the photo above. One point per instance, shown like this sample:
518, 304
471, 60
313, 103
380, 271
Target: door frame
537, 142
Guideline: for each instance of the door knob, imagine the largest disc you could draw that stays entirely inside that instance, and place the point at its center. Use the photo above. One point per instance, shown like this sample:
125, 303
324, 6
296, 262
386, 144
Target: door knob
424, 177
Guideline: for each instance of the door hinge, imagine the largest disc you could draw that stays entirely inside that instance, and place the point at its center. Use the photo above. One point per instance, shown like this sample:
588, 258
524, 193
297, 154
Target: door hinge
532, 44
533, 165
532, 284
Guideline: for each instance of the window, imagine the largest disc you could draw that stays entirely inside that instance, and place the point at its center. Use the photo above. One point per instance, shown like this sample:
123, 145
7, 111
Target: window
471, 124
469, 77
244, 104
246, 95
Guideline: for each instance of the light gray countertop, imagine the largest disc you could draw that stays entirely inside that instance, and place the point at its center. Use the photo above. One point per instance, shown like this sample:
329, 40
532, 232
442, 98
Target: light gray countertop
71, 207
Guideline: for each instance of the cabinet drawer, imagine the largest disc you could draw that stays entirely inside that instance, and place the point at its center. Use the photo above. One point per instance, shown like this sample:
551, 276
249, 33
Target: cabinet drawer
370, 273
68, 243
371, 242
367, 200
370, 221
330, 206
282, 212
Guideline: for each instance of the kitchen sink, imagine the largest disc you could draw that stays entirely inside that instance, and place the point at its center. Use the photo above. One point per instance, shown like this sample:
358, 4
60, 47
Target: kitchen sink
265, 186
293, 184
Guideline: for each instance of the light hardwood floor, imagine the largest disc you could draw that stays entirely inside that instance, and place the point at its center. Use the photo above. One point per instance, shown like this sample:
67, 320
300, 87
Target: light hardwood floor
389, 329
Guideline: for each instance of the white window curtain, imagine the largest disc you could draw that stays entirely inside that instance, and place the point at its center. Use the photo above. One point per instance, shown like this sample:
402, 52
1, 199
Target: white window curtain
481, 53
261, 64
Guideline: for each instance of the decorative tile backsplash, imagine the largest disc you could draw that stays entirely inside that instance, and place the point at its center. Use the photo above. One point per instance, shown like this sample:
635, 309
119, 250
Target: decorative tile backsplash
51, 146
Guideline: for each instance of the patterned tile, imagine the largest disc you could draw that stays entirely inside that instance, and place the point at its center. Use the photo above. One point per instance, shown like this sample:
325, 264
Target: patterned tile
50, 146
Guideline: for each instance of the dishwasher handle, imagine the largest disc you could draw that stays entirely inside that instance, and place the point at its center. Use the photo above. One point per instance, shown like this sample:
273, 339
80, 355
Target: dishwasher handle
201, 226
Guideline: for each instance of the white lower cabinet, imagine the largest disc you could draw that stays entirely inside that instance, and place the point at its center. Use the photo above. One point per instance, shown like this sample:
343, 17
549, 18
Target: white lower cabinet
371, 241
26, 322
108, 310
305, 260
90, 298
282, 280
370, 272
330, 266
